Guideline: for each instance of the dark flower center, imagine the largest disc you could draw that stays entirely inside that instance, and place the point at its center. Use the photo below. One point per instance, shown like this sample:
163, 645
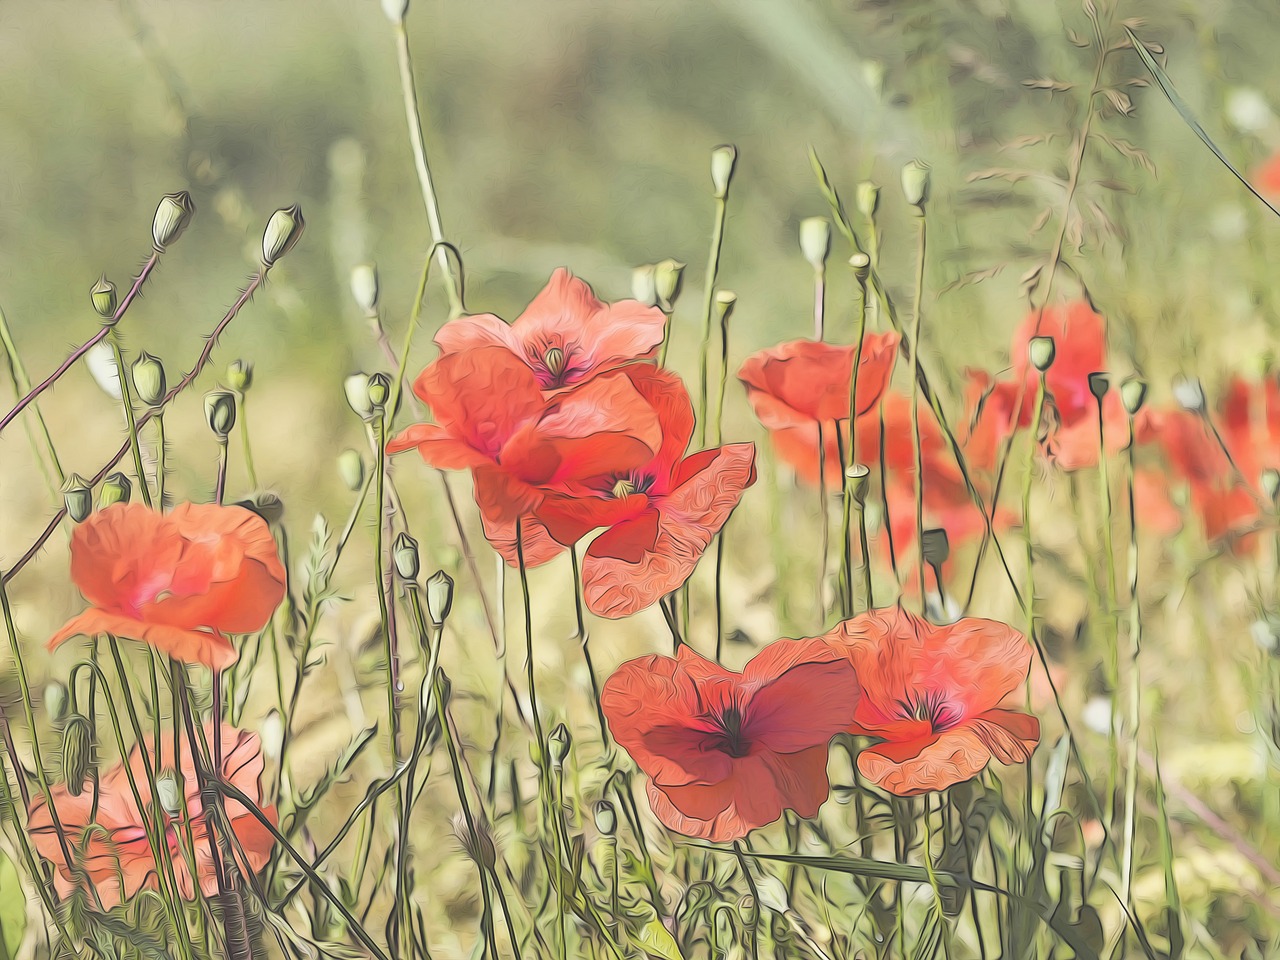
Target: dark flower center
933, 707
729, 736
631, 484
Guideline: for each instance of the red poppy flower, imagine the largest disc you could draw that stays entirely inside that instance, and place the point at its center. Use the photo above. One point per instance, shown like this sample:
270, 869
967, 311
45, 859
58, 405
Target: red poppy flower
117, 856
800, 393
179, 581
932, 694
727, 752
1267, 176
565, 335
661, 515
492, 417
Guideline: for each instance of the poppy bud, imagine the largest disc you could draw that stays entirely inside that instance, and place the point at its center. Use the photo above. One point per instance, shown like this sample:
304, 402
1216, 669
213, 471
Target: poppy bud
857, 478
78, 496
725, 301
1099, 384
1041, 351
667, 276
364, 287
351, 469
915, 183
439, 597
1133, 393
149, 381
396, 10
936, 546
77, 753
477, 843
815, 240
103, 297
558, 745
267, 505
168, 794
101, 361
240, 375
1270, 482
405, 554
173, 214
773, 894
606, 818
356, 388
866, 197
749, 911
644, 286
723, 159
272, 735
723, 929
220, 412
379, 390
861, 265
117, 488
283, 230
1189, 394
55, 700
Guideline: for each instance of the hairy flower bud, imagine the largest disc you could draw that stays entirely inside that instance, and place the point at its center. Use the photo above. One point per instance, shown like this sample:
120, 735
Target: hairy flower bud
351, 469
405, 555
439, 597
173, 215
915, 183
220, 412
103, 297
1041, 351
116, 488
240, 375
78, 497
558, 745
723, 159
283, 230
149, 381
379, 390
364, 287
815, 240
77, 753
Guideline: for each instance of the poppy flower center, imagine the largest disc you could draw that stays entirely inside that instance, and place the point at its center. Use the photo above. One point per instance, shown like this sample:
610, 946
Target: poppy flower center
933, 707
729, 736
554, 360
631, 484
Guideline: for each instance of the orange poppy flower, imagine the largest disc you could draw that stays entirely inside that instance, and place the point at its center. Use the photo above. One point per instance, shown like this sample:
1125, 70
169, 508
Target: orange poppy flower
800, 392
566, 335
179, 581
727, 752
1267, 176
932, 694
492, 418
117, 858
661, 515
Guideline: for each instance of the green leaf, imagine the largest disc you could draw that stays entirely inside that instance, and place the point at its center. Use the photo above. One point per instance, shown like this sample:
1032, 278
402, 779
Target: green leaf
13, 911
657, 941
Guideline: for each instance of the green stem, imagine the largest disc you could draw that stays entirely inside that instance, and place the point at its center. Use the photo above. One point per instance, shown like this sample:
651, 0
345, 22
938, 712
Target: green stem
126, 401
708, 299
917, 451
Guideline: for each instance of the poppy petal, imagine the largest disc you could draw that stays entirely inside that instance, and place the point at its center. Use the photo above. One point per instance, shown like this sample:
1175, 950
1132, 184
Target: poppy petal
189, 646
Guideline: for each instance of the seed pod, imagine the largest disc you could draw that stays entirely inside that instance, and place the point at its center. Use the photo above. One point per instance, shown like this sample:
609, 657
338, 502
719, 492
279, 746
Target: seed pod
644, 284
725, 301
356, 388
439, 597
168, 793
749, 911
723, 159
606, 817
173, 215
1133, 393
396, 10
266, 504
379, 390
866, 197
240, 375
857, 478
915, 183
667, 277
936, 546
116, 488
220, 412
149, 381
405, 555
77, 753
1041, 351
815, 240
351, 469
1099, 384
282, 232
558, 745
103, 297
78, 497
364, 287
56, 700
1189, 394
861, 264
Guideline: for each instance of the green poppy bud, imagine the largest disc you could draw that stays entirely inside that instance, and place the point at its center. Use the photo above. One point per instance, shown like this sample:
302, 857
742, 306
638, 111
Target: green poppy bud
220, 412
283, 230
439, 597
1041, 351
915, 183
667, 276
77, 753
1099, 384
78, 497
815, 240
116, 488
1133, 393
56, 700
644, 284
356, 387
936, 546
857, 478
379, 390
364, 287
168, 793
173, 215
723, 159
351, 469
725, 301
1270, 481
606, 818
861, 264
558, 745
405, 555
240, 375
866, 197
103, 297
149, 381
396, 10
1189, 394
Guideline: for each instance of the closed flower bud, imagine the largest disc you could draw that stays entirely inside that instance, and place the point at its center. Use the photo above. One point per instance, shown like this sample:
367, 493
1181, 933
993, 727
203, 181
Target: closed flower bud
866, 197
356, 387
78, 496
103, 297
396, 10
873, 74
861, 264
116, 488
772, 893
283, 230
1270, 481
379, 390
1041, 351
606, 817
101, 361
56, 700
857, 478
77, 753
815, 240
1133, 393
936, 546
149, 381
168, 794
364, 287
405, 555
351, 469
173, 214
667, 275
1189, 394
723, 159
915, 183
644, 284
439, 597
1099, 384
220, 412
725, 301
240, 375
558, 745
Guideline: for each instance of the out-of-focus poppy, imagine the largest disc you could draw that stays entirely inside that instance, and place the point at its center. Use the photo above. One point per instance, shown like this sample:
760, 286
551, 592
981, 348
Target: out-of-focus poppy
179, 581
1267, 176
800, 392
565, 335
727, 752
661, 515
117, 857
932, 694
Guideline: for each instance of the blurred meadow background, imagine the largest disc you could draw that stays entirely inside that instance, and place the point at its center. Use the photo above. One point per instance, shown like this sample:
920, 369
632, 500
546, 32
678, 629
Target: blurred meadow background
578, 133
